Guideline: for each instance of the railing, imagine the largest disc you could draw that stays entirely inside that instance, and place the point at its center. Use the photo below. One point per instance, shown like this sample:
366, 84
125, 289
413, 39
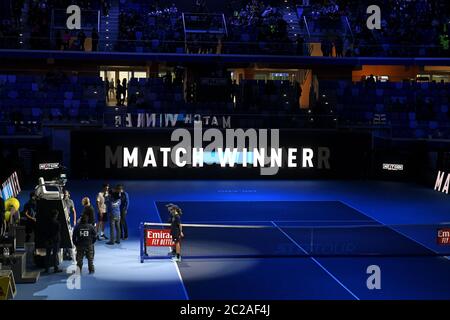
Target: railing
347, 22
225, 24
301, 120
307, 27
227, 47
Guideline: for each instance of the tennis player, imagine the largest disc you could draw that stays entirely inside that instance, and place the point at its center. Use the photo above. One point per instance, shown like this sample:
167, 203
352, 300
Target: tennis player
176, 230
169, 220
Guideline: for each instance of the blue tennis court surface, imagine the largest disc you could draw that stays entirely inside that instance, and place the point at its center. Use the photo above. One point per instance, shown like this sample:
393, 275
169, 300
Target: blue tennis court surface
284, 204
405, 273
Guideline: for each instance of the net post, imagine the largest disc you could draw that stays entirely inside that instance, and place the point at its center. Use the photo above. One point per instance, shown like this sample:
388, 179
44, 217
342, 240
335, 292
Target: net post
141, 239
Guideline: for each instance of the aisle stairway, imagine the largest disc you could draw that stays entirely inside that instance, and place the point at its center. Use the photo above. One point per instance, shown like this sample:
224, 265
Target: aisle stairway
292, 19
109, 28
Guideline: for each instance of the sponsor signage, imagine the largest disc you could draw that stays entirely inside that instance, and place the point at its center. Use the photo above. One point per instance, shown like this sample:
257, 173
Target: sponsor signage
158, 238
48, 166
392, 167
442, 183
443, 236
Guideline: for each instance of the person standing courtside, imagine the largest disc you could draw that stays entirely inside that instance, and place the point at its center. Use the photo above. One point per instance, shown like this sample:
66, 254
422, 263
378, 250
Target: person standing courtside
52, 243
30, 216
101, 209
70, 206
84, 237
88, 210
176, 231
124, 204
113, 209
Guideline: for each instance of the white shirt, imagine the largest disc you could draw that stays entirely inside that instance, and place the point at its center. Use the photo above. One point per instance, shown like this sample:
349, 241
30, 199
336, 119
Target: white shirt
101, 202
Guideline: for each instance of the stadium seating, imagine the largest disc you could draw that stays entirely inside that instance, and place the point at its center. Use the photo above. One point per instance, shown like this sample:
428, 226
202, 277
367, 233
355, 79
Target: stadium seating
412, 28
249, 96
28, 101
409, 109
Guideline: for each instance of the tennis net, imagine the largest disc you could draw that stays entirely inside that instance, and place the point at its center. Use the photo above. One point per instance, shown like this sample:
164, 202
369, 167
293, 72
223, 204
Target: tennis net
278, 239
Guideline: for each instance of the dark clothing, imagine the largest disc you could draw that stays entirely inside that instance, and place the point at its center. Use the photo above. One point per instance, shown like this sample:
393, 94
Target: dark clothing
87, 252
51, 255
89, 211
114, 228
84, 235
123, 224
53, 232
124, 201
113, 204
124, 204
175, 227
52, 244
118, 94
30, 227
30, 208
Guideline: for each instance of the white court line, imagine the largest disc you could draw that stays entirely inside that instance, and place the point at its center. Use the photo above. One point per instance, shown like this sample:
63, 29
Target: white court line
174, 262
406, 236
181, 280
279, 221
317, 262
